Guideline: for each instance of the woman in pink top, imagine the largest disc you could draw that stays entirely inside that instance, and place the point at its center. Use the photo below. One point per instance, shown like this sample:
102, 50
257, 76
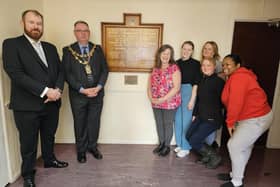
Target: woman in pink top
163, 92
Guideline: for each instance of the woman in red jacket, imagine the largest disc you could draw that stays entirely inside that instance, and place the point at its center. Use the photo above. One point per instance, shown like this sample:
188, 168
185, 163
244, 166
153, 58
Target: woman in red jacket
248, 116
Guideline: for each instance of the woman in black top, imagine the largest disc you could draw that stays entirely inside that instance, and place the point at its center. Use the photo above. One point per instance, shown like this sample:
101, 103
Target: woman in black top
190, 71
207, 114
210, 50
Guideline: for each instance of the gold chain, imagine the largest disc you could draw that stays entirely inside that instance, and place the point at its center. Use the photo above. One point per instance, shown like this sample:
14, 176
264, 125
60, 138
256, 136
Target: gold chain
80, 57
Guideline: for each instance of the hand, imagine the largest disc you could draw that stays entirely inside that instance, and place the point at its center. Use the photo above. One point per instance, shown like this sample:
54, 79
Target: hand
91, 92
95, 90
158, 101
193, 118
190, 105
230, 131
86, 91
53, 95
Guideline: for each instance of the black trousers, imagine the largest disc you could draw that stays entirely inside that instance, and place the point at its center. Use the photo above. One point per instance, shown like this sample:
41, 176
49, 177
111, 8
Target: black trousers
164, 121
86, 113
29, 124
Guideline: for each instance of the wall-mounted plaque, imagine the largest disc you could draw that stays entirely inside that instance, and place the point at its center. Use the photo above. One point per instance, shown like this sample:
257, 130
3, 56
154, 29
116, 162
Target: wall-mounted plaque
131, 46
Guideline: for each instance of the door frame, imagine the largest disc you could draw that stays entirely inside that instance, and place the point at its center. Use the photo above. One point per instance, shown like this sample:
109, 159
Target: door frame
273, 142
269, 142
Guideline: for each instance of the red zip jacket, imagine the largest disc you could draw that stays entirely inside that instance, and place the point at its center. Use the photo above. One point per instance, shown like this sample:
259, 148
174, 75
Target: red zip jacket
243, 97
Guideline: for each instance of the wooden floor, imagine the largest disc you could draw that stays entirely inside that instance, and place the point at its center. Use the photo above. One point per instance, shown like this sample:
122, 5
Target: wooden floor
136, 166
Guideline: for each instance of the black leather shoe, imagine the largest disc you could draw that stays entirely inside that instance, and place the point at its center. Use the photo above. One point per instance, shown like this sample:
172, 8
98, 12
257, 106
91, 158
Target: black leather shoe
56, 164
28, 183
81, 157
158, 148
96, 153
164, 151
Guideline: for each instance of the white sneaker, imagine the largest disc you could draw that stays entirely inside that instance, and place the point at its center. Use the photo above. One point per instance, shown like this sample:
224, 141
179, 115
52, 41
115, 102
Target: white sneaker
182, 153
177, 149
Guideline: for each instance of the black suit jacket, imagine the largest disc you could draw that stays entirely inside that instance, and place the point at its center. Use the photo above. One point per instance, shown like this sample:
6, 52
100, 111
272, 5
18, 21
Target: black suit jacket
75, 72
29, 76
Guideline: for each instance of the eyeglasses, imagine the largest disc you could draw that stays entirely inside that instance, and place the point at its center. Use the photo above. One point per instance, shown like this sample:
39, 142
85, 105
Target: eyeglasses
81, 30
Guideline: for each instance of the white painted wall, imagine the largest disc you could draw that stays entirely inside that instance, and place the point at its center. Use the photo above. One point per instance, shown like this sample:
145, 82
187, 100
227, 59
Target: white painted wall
3, 157
127, 115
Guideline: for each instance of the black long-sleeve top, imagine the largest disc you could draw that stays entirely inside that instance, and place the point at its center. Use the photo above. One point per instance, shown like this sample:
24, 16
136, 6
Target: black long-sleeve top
208, 105
190, 71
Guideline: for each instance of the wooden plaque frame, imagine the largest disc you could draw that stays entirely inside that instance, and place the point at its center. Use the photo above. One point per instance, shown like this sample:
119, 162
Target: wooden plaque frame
131, 46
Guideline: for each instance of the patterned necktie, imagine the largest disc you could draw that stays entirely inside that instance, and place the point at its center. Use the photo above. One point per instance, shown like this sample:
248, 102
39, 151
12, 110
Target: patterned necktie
86, 58
84, 50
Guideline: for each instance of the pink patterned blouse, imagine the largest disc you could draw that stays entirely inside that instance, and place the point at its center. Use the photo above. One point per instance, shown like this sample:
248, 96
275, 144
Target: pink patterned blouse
161, 84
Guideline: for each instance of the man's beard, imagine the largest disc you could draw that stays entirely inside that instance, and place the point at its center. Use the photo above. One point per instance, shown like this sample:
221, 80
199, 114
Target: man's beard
34, 35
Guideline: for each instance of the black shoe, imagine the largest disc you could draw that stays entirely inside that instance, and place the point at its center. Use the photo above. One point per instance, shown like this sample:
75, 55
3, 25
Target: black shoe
81, 157
229, 184
158, 148
96, 153
214, 158
204, 156
224, 176
214, 162
56, 164
202, 160
28, 183
165, 151
215, 145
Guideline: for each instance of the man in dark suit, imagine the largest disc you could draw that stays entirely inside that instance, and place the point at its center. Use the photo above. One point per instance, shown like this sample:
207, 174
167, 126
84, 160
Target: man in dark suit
36, 84
86, 72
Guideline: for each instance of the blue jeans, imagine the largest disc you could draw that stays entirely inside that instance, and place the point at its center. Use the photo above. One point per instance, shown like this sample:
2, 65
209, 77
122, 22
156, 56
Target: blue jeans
211, 138
183, 118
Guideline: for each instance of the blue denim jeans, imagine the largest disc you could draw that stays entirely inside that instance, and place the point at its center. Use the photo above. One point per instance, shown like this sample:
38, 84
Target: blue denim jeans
211, 138
183, 118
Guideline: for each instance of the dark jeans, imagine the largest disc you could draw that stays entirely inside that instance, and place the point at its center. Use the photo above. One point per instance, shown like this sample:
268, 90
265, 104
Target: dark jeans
198, 131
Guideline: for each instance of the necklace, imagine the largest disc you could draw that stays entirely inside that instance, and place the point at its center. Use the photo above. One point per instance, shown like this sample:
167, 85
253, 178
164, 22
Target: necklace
81, 58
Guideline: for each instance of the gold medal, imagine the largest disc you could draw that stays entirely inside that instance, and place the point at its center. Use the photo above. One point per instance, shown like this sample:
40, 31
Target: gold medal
88, 68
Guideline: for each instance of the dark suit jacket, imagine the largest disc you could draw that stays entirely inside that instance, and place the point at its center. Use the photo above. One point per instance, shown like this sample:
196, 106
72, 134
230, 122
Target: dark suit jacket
29, 76
75, 72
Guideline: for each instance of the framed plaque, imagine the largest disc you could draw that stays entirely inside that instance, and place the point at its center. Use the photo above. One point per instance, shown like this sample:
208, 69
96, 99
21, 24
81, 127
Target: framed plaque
131, 46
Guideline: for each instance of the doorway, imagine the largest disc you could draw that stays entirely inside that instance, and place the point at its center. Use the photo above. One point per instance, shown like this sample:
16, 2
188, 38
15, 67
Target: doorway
257, 43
